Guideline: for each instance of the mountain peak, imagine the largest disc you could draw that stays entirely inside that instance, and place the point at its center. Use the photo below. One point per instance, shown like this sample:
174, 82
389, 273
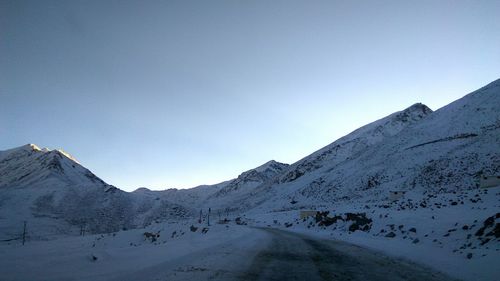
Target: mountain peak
27, 147
142, 190
29, 165
24, 149
32, 146
263, 172
411, 114
67, 155
272, 164
419, 107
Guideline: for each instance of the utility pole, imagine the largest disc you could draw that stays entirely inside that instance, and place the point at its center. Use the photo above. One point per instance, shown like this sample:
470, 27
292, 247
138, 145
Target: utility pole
24, 232
208, 217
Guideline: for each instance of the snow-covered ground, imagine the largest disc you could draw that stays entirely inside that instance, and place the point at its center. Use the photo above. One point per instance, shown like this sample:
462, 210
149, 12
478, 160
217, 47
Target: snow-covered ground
178, 252
197, 252
444, 238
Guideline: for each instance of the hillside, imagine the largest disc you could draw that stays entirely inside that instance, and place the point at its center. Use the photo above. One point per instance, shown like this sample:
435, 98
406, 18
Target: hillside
56, 195
413, 150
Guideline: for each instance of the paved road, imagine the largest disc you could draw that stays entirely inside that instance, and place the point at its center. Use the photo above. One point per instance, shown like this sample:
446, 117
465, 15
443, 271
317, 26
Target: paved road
292, 256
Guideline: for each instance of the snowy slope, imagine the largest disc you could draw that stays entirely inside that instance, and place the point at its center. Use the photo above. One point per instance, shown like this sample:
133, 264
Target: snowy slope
56, 195
222, 196
354, 143
250, 179
443, 151
28, 165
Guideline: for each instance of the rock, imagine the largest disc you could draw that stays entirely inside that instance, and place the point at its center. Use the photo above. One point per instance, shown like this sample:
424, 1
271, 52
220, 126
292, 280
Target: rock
495, 232
469, 256
415, 241
484, 241
390, 234
152, 236
361, 222
322, 219
239, 221
486, 224
414, 230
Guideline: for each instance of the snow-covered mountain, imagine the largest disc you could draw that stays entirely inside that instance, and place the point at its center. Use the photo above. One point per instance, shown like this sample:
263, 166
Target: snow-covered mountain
347, 147
250, 179
57, 195
51, 190
414, 150
221, 196
29, 165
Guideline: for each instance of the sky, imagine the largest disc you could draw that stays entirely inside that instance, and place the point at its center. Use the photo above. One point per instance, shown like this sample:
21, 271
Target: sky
164, 94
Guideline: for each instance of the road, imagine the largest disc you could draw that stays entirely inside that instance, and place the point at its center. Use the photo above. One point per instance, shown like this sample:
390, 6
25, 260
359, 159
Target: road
282, 255
225, 253
292, 256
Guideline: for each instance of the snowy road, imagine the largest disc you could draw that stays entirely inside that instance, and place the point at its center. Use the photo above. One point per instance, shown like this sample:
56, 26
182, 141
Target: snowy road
224, 253
281, 255
295, 257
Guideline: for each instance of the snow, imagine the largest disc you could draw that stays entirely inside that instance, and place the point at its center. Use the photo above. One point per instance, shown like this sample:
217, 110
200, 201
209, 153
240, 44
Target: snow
125, 255
436, 157
66, 154
433, 248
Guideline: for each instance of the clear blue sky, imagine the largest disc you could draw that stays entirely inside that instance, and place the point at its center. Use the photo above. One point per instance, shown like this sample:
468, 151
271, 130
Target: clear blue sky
181, 93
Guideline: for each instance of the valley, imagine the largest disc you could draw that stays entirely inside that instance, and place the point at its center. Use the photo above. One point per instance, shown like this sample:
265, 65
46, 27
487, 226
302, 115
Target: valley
408, 188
